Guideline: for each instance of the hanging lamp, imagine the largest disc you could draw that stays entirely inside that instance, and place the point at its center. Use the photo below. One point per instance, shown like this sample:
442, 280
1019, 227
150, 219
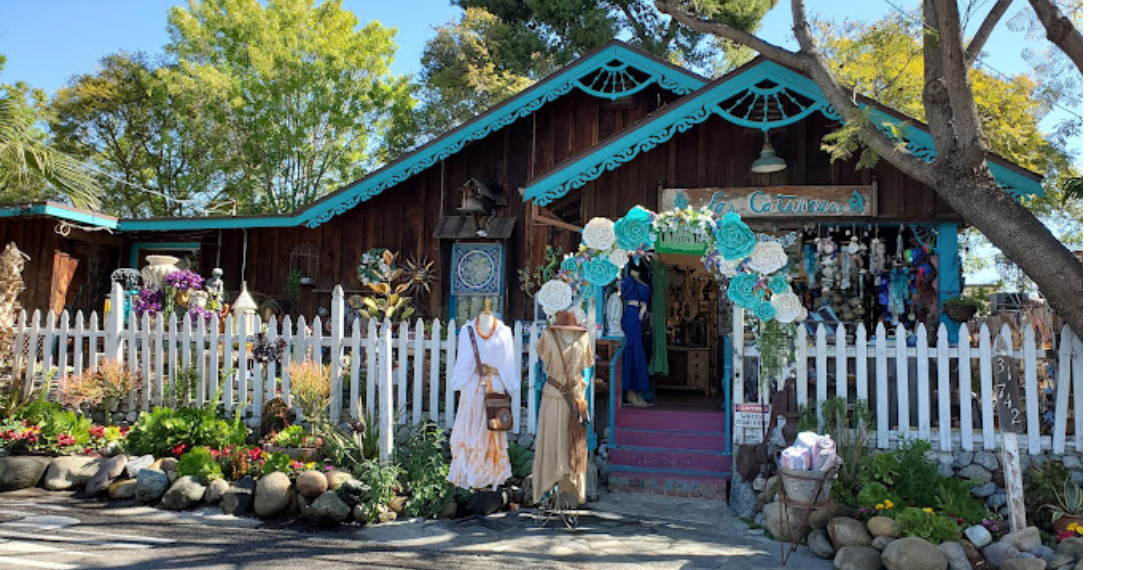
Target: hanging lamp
768, 161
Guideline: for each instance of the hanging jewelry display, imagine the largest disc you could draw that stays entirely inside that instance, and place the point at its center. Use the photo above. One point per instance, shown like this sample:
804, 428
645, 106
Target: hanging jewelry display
899, 293
878, 255
811, 263
828, 261
845, 267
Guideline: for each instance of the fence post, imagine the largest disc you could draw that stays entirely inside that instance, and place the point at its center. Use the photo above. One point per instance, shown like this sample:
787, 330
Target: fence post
922, 370
841, 361
882, 390
449, 394
1061, 400
943, 351
114, 323
372, 364
1078, 393
820, 370
861, 362
1029, 358
336, 340
387, 411
434, 346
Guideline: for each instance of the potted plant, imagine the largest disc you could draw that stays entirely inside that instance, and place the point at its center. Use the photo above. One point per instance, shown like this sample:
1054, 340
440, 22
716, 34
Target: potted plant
961, 309
296, 443
1069, 507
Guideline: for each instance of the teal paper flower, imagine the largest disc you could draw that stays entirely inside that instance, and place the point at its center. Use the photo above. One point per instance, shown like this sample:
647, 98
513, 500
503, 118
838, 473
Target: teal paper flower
778, 284
569, 265
734, 239
599, 271
765, 311
742, 291
634, 230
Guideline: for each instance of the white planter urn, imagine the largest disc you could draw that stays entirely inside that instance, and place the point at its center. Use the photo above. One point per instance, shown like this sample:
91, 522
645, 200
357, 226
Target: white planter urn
154, 274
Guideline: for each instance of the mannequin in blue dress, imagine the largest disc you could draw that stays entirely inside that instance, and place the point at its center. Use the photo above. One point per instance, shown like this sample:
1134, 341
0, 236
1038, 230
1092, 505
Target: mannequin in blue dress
635, 291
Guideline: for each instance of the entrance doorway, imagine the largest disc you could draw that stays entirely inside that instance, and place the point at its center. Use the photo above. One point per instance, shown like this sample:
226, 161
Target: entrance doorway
692, 341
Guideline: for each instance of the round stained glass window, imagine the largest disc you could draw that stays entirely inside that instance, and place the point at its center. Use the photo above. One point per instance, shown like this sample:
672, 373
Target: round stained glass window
476, 270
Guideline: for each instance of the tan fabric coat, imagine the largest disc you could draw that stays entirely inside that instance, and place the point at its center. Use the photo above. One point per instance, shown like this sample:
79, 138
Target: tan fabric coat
553, 445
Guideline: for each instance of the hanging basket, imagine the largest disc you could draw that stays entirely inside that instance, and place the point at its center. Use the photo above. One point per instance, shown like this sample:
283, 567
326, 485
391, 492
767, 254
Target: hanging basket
959, 312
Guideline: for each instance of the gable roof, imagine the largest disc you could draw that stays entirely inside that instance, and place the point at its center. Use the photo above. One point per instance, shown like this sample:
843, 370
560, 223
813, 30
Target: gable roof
761, 95
612, 71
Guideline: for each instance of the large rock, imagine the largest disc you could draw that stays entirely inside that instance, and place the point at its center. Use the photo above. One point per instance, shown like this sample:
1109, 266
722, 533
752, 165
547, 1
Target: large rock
328, 508
1024, 564
483, 502
783, 523
985, 490
1025, 539
850, 532
238, 499
884, 526
397, 504
150, 486
820, 544
1042, 551
880, 543
997, 553
352, 492
70, 472
976, 472
749, 457
122, 489
997, 500
979, 535
138, 464
1074, 547
858, 558
108, 472
955, 556
310, 484
22, 472
1058, 560
963, 458
215, 491
987, 460
183, 494
913, 553
274, 492
336, 478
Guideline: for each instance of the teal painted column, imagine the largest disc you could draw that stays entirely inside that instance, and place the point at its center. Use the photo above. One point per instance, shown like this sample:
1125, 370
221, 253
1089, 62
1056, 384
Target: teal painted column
949, 272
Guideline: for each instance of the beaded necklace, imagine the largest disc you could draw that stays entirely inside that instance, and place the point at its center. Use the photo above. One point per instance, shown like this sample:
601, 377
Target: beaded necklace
494, 325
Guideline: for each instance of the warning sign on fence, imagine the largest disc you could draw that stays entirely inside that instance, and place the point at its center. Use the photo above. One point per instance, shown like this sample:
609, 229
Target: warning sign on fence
751, 415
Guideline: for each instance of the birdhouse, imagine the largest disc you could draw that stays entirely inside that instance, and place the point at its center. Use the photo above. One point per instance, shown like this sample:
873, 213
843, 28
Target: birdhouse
246, 310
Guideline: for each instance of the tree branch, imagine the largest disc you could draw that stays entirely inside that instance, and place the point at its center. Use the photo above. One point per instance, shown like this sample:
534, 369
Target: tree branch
1060, 30
766, 50
971, 141
984, 31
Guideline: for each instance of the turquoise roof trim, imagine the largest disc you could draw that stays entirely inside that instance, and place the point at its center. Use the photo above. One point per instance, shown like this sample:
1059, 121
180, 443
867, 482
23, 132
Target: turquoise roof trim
601, 63
766, 88
61, 212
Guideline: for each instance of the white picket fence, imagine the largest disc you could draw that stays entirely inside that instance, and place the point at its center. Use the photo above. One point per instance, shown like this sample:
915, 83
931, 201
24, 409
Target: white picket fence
398, 374
910, 389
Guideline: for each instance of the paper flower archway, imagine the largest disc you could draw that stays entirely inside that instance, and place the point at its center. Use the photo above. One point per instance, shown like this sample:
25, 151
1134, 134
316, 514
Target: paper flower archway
752, 265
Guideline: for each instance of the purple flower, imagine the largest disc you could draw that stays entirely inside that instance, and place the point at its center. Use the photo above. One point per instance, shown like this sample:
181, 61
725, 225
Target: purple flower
197, 312
184, 280
149, 302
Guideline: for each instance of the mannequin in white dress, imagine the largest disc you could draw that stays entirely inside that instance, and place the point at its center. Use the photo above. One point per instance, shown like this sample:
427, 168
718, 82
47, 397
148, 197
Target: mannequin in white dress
479, 455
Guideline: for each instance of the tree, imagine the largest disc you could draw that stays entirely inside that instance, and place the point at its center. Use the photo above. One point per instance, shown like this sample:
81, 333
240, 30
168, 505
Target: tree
30, 167
500, 47
162, 154
960, 175
306, 97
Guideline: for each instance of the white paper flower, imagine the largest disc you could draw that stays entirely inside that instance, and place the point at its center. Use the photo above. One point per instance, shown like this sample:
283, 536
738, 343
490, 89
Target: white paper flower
727, 268
803, 315
555, 295
787, 307
619, 257
768, 257
599, 234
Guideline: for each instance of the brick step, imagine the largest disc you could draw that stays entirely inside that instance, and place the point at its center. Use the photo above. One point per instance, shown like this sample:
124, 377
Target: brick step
713, 487
711, 462
666, 420
664, 439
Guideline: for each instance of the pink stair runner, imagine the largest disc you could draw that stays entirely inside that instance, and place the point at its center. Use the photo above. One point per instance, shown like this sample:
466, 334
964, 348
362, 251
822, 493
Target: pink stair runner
670, 452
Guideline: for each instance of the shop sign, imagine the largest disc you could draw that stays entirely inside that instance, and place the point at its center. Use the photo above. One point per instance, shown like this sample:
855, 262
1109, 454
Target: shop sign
777, 201
751, 416
1011, 423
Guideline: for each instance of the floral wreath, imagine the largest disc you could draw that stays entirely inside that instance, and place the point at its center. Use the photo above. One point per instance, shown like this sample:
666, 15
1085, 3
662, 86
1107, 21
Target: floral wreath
376, 266
753, 266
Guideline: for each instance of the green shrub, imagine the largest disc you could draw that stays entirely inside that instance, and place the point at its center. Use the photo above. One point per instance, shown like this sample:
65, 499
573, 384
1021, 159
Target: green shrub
955, 499
292, 436
199, 462
1041, 485
425, 471
277, 462
873, 494
918, 476
383, 482
928, 525
159, 431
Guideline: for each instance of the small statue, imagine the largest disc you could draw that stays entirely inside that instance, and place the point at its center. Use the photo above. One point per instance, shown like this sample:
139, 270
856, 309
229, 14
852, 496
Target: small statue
614, 308
216, 288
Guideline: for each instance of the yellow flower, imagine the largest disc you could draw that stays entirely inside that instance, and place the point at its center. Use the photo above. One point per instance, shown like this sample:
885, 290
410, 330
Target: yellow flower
879, 507
1080, 530
929, 510
1072, 526
890, 504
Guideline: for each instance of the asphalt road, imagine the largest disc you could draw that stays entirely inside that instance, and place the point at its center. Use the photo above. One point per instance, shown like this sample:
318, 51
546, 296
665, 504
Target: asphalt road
56, 531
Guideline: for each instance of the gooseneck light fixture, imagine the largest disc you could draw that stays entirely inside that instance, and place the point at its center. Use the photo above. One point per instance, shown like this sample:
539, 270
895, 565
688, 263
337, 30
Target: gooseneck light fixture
768, 161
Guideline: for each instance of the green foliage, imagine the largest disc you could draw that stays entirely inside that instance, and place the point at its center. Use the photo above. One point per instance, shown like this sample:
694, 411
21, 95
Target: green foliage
955, 499
1069, 500
292, 436
199, 462
875, 493
976, 301
185, 383
883, 468
522, 463
382, 481
928, 525
425, 470
277, 462
1041, 485
352, 450
159, 431
918, 475
808, 420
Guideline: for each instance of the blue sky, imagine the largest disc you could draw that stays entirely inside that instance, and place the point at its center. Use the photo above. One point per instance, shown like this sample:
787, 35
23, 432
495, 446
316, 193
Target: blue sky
46, 42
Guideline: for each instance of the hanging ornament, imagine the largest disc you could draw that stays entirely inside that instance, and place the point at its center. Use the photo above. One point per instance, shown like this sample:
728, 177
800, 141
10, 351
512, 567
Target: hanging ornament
811, 263
845, 269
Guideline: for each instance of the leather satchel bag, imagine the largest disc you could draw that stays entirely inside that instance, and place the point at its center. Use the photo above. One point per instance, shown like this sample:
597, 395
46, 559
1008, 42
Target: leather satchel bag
497, 404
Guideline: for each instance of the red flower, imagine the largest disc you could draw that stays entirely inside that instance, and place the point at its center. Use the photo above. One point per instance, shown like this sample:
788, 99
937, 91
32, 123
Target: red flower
7, 434
254, 454
86, 451
124, 429
64, 440
179, 450
96, 431
297, 465
1063, 534
213, 453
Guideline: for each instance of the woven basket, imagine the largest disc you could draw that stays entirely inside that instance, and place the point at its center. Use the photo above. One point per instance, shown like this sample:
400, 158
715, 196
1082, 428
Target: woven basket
802, 486
959, 313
